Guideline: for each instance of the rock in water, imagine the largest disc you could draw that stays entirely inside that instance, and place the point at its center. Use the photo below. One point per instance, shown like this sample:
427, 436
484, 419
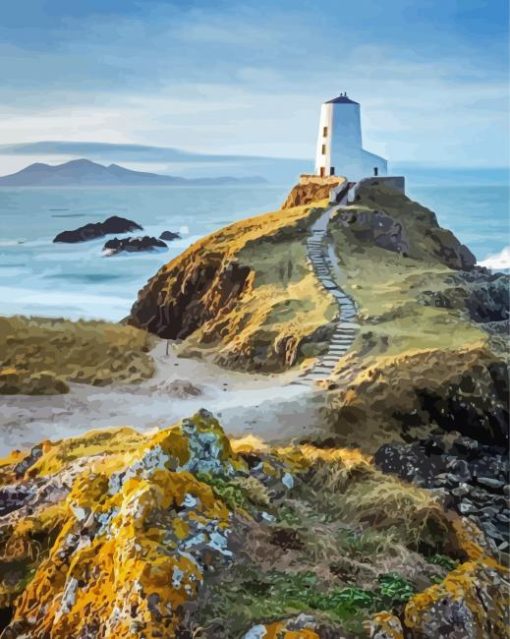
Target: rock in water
132, 245
169, 235
92, 231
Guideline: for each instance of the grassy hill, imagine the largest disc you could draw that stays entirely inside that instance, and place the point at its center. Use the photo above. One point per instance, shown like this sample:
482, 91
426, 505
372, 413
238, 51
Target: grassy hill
422, 356
39, 356
244, 296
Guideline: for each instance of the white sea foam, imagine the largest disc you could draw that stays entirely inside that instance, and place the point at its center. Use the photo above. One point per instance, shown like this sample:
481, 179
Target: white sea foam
498, 261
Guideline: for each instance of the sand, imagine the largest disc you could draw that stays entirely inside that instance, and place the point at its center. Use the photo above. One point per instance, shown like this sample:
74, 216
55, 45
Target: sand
270, 407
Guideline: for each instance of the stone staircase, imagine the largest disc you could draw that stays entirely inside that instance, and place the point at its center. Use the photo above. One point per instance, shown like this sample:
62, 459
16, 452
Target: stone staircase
346, 325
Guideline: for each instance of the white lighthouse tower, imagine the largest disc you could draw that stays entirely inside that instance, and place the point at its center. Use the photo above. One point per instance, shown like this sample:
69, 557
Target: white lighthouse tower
339, 145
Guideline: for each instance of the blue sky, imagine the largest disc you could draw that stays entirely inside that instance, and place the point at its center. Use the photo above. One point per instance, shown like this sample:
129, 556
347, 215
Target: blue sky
229, 76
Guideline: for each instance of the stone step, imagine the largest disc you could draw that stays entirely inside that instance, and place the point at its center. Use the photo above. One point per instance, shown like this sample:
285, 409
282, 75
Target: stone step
314, 373
322, 367
314, 377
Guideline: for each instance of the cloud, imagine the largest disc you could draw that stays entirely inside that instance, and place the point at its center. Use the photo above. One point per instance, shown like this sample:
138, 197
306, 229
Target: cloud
248, 78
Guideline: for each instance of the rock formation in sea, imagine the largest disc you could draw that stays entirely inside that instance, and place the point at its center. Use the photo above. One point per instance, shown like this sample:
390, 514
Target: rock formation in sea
94, 230
169, 235
132, 245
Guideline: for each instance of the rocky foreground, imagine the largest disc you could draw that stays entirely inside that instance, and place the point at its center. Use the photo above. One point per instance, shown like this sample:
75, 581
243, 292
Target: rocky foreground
186, 534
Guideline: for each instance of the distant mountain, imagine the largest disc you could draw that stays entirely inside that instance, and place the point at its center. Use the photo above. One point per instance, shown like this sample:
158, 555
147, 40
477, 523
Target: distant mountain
274, 169
87, 173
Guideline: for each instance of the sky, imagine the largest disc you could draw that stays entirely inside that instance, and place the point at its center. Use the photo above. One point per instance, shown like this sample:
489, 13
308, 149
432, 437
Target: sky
248, 77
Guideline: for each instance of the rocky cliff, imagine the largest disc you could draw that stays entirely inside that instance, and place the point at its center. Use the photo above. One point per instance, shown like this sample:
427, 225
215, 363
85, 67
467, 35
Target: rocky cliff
184, 533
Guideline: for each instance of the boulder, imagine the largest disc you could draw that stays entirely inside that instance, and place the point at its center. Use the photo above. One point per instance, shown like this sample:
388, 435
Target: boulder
169, 235
180, 389
132, 245
92, 231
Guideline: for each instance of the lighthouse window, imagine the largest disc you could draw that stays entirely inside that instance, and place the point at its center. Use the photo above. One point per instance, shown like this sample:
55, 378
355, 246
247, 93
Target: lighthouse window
325, 131
323, 149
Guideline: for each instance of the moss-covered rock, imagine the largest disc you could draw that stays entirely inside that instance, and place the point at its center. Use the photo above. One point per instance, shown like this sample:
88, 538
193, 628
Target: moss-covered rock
181, 532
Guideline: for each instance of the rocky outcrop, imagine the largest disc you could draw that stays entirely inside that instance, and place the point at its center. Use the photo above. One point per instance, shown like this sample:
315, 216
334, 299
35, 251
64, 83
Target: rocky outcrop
14, 382
303, 194
485, 296
376, 227
473, 477
464, 390
92, 231
169, 235
182, 532
386, 218
471, 603
132, 245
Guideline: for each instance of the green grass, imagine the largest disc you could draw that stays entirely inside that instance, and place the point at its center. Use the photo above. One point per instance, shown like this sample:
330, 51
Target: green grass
248, 596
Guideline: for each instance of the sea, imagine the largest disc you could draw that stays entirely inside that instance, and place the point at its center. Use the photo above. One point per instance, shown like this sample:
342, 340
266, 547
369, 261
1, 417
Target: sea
40, 278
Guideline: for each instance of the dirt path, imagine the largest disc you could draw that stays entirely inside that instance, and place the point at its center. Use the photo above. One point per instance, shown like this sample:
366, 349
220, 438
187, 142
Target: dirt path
267, 406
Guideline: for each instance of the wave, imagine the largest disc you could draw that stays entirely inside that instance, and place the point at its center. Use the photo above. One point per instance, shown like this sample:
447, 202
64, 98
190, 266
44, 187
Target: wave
67, 214
11, 242
498, 261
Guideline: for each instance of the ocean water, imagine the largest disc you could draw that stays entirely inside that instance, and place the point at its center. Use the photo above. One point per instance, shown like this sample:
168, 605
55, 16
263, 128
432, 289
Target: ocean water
38, 277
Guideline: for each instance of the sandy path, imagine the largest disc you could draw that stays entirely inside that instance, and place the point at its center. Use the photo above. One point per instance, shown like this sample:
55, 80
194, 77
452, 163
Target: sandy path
267, 406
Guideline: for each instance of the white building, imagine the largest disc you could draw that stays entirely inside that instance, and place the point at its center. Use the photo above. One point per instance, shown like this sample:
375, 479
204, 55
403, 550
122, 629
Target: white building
339, 147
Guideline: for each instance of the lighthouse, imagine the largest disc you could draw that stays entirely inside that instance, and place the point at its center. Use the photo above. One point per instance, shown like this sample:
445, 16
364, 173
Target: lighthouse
339, 144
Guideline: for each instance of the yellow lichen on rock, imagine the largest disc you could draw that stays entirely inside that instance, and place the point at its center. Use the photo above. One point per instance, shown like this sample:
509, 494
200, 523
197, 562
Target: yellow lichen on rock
471, 602
385, 625
136, 531
302, 627
473, 599
120, 534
